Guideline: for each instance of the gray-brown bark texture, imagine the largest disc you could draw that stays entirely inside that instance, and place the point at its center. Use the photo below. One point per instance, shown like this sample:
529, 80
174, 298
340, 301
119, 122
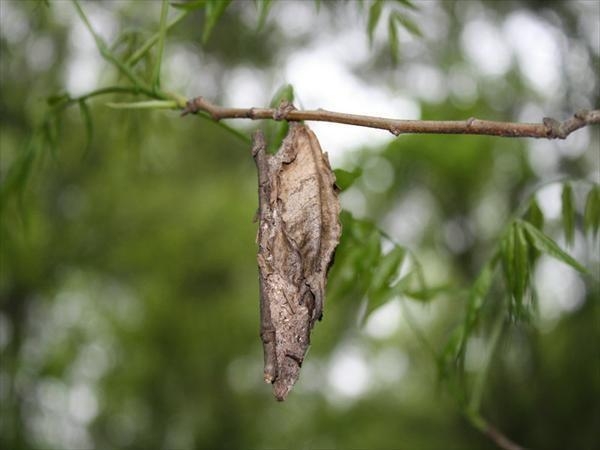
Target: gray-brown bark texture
298, 232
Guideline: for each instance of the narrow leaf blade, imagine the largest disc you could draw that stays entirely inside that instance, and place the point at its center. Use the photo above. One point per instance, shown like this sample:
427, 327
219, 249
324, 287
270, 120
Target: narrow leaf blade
546, 245
190, 5
393, 40
568, 213
374, 15
344, 179
535, 216
56, 99
388, 268
408, 4
521, 264
477, 296
214, 11
408, 25
264, 6
284, 93
591, 215
507, 247
89, 125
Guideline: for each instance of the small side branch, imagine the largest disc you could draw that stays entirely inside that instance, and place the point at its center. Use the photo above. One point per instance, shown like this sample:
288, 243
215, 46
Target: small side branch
500, 439
493, 433
548, 129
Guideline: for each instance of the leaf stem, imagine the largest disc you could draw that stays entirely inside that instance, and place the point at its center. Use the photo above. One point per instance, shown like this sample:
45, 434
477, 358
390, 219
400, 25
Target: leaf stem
110, 57
139, 53
499, 438
162, 33
479, 384
148, 104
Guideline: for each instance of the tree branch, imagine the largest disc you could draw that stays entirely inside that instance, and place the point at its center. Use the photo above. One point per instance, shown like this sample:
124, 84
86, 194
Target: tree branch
548, 129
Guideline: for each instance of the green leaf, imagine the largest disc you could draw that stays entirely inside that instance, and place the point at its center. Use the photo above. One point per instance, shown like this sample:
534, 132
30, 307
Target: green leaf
359, 252
276, 131
50, 133
162, 35
89, 125
343, 275
359, 230
591, 215
477, 295
264, 6
150, 42
514, 251
345, 179
423, 294
507, 249
19, 171
387, 270
190, 5
374, 15
546, 245
535, 216
372, 246
214, 10
56, 99
448, 359
521, 268
408, 25
393, 39
409, 4
347, 220
285, 92
364, 234
568, 213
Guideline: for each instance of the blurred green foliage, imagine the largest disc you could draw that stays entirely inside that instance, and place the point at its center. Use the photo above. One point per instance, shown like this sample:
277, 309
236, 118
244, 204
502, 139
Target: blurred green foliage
128, 281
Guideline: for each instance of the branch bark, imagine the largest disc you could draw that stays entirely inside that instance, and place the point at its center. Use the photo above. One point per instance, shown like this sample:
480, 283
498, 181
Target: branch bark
548, 129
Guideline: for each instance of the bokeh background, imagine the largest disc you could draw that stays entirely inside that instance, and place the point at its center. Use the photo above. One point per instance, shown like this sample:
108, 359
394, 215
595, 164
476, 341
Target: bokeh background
128, 281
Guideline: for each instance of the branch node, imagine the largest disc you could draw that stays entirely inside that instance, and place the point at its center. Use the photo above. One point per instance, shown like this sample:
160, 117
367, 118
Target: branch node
593, 116
192, 106
258, 142
394, 130
470, 121
553, 128
283, 110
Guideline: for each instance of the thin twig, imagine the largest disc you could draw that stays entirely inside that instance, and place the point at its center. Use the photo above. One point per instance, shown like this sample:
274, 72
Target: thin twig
499, 438
479, 384
161, 45
139, 54
105, 52
548, 129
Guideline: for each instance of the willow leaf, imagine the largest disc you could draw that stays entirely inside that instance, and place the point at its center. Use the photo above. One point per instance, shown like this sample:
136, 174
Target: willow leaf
546, 245
374, 15
568, 213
